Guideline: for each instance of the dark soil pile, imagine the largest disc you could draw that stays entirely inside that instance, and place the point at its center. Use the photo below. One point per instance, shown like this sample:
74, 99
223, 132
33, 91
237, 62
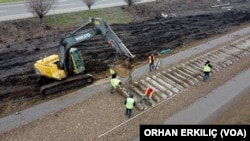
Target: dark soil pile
23, 43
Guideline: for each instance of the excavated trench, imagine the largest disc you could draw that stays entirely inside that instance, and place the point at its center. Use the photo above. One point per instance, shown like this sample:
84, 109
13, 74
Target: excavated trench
18, 81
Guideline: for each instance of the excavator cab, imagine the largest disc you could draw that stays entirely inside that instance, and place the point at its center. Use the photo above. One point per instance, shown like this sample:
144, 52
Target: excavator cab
77, 63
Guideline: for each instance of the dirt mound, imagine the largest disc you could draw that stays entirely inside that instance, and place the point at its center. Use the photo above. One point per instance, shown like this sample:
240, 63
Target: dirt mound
21, 30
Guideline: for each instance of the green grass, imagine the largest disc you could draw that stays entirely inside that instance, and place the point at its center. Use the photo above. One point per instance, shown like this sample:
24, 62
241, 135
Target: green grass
6, 1
110, 15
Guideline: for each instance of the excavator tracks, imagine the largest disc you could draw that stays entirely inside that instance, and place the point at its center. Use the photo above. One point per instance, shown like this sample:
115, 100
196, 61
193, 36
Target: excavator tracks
69, 83
172, 81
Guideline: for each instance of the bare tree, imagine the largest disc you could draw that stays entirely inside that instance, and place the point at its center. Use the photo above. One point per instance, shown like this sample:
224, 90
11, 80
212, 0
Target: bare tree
89, 3
40, 7
131, 2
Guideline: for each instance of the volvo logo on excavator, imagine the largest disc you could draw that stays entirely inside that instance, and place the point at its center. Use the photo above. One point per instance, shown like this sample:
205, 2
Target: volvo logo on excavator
83, 37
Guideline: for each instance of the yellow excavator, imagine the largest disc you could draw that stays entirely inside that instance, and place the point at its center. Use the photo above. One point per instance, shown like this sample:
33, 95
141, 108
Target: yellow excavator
65, 70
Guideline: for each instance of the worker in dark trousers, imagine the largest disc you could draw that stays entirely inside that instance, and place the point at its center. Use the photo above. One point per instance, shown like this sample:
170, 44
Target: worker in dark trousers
149, 94
129, 103
115, 83
207, 70
151, 61
112, 72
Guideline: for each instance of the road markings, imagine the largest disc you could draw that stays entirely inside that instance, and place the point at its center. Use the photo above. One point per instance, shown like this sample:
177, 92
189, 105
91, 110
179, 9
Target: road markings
10, 17
66, 4
13, 5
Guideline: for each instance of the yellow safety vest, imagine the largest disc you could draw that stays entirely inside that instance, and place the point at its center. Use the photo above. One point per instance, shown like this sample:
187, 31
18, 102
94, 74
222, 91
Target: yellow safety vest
130, 103
112, 71
115, 82
207, 68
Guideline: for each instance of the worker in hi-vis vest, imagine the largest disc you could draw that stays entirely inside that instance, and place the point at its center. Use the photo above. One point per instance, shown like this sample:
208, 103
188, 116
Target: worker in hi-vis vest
151, 62
115, 83
112, 72
207, 69
129, 103
149, 94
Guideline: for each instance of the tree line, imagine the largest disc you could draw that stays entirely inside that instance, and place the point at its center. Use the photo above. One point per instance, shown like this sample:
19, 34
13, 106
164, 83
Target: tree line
39, 8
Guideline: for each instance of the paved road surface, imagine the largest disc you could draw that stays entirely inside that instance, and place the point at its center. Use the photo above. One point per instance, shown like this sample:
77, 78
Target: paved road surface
18, 10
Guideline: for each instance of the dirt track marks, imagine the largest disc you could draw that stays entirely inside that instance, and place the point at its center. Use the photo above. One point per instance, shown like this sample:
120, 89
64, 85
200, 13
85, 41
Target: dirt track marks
17, 60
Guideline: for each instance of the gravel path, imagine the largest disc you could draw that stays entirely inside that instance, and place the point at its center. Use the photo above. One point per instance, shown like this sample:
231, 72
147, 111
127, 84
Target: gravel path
237, 113
201, 111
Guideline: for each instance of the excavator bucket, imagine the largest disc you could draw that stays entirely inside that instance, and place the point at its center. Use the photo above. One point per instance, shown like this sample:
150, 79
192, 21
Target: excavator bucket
123, 68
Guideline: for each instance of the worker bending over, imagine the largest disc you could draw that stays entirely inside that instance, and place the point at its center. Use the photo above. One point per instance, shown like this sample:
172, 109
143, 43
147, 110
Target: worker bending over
115, 83
149, 94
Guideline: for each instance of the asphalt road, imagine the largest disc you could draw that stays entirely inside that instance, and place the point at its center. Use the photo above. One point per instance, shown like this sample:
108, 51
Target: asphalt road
18, 10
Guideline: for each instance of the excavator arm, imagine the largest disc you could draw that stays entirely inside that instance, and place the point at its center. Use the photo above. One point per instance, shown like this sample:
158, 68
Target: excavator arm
110, 36
97, 27
122, 67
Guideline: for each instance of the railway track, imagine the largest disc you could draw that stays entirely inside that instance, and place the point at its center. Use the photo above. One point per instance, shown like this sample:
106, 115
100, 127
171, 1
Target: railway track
171, 81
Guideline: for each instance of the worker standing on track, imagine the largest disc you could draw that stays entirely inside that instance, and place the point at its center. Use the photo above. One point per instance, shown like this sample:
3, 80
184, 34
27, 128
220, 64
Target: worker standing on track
207, 69
129, 103
149, 94
115, 83
112, 72
151, 61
